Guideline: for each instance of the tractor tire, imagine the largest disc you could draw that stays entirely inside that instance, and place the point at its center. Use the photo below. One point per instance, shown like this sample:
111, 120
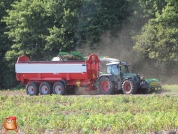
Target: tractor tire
32, 88
71, 90
105, 86
45, 88
129, 87
58, 88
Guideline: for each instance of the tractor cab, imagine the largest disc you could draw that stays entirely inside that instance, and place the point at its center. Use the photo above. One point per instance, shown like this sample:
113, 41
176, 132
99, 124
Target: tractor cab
120, 70
116, 68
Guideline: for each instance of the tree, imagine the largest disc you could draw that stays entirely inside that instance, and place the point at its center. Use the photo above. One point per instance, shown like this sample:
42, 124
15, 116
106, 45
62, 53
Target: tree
97, 17
27, 24
158, 39
6, 76
40, 28
63, 32
143, 10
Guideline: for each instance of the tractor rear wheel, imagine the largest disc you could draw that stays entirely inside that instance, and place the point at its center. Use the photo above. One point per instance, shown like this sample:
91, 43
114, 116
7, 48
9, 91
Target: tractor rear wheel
32, 89
58, 88
45, 88
106, 86
129, 87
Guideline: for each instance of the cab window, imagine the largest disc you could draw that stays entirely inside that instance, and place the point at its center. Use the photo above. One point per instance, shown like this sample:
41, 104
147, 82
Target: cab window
124, 69
115, 70
108, 69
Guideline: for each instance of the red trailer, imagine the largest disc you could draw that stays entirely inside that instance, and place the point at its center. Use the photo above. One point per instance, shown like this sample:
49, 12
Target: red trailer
58, 77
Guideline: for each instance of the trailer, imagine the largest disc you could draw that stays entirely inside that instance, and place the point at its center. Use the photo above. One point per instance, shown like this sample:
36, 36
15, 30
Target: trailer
58, 77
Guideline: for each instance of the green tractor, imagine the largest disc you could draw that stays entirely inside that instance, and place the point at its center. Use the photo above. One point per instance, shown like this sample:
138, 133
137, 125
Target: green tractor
118, 78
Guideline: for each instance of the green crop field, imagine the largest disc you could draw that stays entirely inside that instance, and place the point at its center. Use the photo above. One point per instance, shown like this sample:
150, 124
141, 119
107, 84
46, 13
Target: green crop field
92, 114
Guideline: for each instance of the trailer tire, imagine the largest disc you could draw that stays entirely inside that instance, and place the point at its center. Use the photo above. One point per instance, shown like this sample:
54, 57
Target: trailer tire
129, 87
45, 88
58, 88
32, 88
106, 86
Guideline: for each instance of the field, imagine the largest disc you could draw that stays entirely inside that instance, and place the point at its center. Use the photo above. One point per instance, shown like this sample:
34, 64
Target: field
93, 114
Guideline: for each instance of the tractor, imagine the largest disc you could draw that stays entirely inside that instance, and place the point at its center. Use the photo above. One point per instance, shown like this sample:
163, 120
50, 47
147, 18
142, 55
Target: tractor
118, 78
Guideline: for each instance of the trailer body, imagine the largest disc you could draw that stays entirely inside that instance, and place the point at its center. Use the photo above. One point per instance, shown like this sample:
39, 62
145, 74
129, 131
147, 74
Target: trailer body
68, 73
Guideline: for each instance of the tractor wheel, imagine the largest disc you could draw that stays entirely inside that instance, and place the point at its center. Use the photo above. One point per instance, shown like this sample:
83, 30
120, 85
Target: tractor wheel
71, 90
106, 86
45, 88
32, 89
58, 88
129, 87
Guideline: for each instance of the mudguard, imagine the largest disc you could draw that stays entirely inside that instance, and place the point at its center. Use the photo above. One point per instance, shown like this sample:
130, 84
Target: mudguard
107, 75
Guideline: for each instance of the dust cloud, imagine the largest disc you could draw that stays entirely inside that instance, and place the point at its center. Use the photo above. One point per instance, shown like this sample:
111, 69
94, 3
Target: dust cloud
82, 91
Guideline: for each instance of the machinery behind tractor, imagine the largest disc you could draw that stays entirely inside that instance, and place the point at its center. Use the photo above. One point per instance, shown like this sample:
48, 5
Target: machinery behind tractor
154, 83
65, 56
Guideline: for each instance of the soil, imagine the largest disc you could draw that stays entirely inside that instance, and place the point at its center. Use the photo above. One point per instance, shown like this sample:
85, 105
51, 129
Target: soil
82, 91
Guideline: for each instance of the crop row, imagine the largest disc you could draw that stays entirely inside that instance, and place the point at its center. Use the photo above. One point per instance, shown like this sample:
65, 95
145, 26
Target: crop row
92, 114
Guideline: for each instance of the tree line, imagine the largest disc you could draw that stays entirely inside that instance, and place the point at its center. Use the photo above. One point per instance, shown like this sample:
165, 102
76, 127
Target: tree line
143, 31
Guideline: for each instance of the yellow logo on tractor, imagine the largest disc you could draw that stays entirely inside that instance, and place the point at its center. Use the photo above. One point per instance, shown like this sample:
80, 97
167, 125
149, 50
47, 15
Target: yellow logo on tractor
154, 84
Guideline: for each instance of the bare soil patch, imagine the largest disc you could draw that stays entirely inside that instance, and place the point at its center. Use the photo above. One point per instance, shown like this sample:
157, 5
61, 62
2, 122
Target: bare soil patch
82, 91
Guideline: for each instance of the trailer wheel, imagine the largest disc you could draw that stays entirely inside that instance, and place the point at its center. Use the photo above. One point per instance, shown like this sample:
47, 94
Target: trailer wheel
45, 88
106, 86
32, 89
58, 88
129, 87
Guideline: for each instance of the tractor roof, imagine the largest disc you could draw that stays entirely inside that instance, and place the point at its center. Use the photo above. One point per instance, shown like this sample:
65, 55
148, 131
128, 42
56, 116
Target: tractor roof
117, 63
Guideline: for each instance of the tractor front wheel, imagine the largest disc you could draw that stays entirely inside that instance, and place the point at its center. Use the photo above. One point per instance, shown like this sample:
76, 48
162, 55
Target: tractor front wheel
129, 87
106, 86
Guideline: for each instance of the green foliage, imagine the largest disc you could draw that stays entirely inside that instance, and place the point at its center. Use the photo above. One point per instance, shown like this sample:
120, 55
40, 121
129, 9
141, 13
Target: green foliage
159, 41
27, 24
63, 32
143, 10
98, 17
7, 73
102, 114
